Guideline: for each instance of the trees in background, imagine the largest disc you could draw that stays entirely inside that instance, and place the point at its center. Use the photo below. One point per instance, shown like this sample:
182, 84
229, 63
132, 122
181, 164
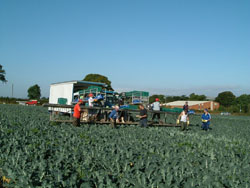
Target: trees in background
225, 98
34, 92
2, 74
229, 102
99, 78
176, 98
160, 97
194, 97
166, 99
242, 103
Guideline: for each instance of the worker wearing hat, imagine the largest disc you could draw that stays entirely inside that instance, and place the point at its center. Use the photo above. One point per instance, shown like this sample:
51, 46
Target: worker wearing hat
91, 100
206, 118
156, 107
113, 116
77, 113
92, 112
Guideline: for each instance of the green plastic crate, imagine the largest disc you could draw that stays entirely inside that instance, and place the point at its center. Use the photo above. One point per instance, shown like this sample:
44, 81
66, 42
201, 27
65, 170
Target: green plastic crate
62, 101
91, 89
132, 107
176, 110
137, 94
95, 87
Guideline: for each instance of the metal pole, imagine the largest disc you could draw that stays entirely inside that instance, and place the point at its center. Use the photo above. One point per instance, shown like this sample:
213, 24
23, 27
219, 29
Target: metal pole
12, 91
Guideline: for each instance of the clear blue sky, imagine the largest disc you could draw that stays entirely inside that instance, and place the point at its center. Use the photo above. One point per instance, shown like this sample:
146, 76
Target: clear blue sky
170, 47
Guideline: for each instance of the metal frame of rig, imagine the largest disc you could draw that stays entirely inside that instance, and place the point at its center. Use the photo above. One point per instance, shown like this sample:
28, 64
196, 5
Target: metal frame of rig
99, 115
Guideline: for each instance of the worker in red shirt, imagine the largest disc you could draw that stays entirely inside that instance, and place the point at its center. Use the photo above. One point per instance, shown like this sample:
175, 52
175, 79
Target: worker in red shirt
77, 113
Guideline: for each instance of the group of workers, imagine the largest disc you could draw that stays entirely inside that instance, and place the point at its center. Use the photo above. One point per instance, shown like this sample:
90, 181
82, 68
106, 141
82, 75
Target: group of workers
183, 118
77, 109
114, 116
143, 116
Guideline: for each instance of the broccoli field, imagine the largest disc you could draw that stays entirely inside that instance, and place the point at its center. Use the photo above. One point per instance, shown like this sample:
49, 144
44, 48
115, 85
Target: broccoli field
37, 153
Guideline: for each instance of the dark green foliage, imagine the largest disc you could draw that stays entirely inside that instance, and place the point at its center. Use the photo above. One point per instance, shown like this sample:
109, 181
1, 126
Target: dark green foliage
2, 74
243, 102
34, 153
160, 97
98, 78
194, 97
233, 104
225, 98
34, 92
176, 98
10, 100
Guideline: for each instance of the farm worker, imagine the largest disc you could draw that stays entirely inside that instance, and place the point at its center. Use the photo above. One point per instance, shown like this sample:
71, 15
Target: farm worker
143, 116
77, 113
183, 119
206, 118
156, 107
91, 100
113, 116
123, 113
185, 106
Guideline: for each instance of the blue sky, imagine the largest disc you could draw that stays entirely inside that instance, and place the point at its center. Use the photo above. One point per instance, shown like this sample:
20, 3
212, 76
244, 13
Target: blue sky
162, 46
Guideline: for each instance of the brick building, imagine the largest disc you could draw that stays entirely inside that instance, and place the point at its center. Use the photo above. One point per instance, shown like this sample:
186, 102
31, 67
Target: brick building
194, 105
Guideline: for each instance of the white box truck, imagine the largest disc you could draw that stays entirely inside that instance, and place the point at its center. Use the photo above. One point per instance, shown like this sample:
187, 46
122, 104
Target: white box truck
64, 93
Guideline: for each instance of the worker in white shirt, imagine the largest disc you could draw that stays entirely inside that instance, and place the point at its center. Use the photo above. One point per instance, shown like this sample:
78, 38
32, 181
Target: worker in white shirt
92, 112
156, 107
183, 119
91, 100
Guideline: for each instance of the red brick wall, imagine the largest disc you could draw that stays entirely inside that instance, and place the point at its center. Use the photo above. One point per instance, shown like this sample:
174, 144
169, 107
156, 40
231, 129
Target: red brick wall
207, 105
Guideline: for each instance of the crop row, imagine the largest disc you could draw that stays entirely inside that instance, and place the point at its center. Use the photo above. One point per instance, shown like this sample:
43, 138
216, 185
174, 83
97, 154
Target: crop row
34, 153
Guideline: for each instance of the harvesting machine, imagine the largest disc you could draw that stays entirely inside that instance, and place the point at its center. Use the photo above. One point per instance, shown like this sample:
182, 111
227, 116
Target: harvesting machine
64, 95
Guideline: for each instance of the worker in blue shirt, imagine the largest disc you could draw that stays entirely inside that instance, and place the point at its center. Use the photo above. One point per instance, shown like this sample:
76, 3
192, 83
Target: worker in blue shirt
113, 116
206, 118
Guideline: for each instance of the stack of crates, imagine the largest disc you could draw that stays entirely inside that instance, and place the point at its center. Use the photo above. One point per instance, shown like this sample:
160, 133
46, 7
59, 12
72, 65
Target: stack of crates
137, 94
175, 110
142, 96
91, 89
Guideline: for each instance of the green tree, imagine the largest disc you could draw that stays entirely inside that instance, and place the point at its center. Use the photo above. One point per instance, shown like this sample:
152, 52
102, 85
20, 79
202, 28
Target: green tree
160, 97
34, 92
176, 98
243, 102
194, 97
99, 78
169, 99
2, 74
225, 98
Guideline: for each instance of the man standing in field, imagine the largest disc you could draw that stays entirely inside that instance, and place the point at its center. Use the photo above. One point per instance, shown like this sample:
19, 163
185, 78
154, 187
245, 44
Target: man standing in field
143, 116
156, 107
77, 113
183, 119
185, 106
113, 116
206, 118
